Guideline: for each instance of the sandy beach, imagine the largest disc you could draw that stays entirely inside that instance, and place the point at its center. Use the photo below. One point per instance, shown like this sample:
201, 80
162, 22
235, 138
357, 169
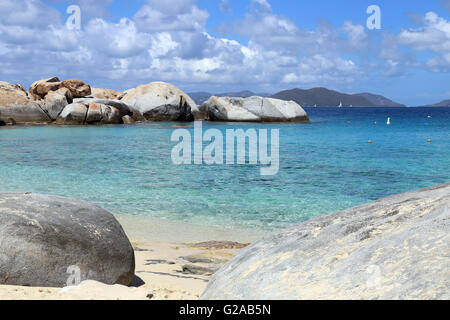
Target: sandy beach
174, 261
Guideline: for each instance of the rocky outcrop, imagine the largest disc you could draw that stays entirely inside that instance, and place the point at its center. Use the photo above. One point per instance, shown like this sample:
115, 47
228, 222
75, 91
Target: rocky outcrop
110, 115
93, 111
17, 108
253, 109
78, 88
109, 94
7, 87
56, 101
73, 114
47, 240
127, 120
41, 88
159, 101
394, 248
121, 106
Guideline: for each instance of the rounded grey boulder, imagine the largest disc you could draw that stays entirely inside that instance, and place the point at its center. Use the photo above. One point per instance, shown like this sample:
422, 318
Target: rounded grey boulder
252, 109
394, 248
50, 241
160, 101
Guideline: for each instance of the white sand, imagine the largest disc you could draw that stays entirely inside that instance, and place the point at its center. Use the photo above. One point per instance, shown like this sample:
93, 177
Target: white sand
159, 250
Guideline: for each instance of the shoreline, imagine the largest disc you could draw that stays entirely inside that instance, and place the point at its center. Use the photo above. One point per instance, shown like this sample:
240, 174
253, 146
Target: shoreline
164, 271
153, 230
174, 261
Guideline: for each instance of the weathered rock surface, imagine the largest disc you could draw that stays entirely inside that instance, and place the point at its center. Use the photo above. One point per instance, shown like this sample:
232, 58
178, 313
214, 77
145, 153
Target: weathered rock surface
41, 236
92, 111
253, 109
78, 88
7, 87
17, 108
56, 101
73, 114
110, 115
128, 120
123, 108
159, 101
198, 270
110, 94
394, 248
41, 88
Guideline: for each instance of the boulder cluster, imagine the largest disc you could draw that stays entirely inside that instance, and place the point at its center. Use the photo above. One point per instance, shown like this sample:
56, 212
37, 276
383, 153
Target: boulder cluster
69, 102
73, 102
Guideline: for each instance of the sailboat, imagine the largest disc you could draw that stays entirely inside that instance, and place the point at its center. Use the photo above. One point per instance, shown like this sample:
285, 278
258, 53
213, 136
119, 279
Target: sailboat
388, 121
340, 105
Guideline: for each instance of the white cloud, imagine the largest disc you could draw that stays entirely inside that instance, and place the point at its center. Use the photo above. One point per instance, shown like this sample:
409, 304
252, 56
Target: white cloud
28, 13
171, 15
433, 37
118, 40
89, 8
264, 4
168, 41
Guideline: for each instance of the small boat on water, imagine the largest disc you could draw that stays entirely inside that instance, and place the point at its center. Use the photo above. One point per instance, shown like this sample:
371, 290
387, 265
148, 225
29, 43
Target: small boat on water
388, 121
340, 105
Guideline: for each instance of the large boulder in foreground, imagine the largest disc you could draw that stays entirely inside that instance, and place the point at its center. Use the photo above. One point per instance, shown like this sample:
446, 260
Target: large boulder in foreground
253, 109
43, 237
17, 108
159, 101
394, 248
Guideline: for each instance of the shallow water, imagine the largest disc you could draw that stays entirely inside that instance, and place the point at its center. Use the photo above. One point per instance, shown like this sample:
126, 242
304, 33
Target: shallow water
325, 166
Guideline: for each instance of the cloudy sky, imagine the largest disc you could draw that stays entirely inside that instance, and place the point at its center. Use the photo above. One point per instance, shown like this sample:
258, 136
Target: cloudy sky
224, 45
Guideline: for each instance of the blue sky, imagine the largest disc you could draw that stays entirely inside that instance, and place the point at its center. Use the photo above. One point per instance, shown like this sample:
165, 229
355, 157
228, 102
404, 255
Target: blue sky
225, 45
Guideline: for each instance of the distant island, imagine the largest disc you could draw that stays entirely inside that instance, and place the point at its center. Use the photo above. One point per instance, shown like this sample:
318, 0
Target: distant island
445, 103
320, 97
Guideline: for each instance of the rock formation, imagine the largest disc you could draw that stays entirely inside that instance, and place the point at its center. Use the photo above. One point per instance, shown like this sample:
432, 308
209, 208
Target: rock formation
394, 248
50, 241
253, 109
159, 101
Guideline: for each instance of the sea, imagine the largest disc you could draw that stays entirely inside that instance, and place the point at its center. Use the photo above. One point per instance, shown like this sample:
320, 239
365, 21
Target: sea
344, 157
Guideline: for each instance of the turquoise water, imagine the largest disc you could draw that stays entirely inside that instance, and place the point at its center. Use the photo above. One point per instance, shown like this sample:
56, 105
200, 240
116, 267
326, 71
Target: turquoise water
325, 166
